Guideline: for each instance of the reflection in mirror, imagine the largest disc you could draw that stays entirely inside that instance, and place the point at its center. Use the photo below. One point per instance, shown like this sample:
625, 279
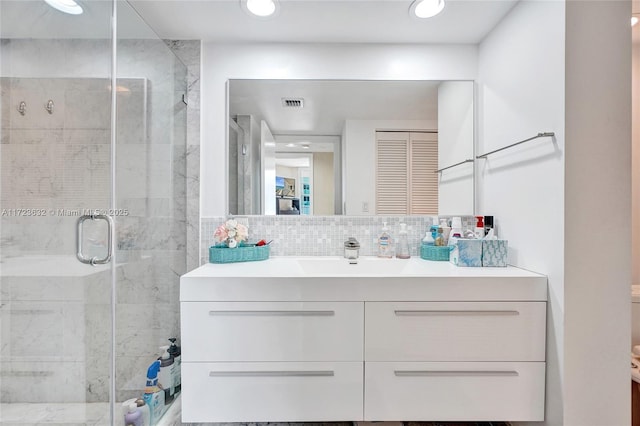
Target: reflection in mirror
324, 147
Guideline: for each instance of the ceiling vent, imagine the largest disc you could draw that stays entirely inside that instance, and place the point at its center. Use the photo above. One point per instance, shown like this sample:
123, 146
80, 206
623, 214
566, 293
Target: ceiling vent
293, 102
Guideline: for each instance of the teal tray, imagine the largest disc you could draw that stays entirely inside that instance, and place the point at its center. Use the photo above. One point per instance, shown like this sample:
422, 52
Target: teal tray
429, 252
224, 254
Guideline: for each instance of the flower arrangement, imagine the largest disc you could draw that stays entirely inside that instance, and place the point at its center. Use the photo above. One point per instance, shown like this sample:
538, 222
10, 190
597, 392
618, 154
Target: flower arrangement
231, 233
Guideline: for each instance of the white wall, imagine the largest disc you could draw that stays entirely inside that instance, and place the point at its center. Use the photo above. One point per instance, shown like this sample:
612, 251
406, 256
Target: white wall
221, 62
597, 184
455, 144
520, 93
360, 158
287, 172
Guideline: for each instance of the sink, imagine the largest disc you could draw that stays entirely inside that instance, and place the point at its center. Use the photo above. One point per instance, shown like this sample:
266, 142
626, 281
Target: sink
366, 266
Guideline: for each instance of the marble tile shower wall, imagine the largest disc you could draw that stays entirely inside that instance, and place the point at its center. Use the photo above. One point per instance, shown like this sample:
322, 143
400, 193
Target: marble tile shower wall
189, 52
51, 162
62, 161
324, 235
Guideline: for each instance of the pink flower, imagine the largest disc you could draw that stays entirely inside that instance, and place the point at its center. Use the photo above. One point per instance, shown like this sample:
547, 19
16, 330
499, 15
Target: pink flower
231, 233
221, 233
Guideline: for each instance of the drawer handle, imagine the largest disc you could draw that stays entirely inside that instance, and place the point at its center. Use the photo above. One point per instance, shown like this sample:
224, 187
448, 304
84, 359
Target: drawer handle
327, 373
272, 313
459, 373
453, 313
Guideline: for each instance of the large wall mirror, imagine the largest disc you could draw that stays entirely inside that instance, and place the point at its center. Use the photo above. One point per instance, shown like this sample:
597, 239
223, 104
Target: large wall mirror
331, 147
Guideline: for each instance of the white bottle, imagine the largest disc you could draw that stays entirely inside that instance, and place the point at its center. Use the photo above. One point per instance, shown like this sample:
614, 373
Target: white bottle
456, 227
402, 251
165, 376
428, 238
479, 229
384, 242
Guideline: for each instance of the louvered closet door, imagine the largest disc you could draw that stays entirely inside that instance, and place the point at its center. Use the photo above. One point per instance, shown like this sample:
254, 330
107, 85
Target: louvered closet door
392, 173
423, 182
406, 182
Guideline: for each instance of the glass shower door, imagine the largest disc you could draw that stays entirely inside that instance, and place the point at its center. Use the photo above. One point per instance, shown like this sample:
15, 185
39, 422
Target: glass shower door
150, 199
89, 124
55, 166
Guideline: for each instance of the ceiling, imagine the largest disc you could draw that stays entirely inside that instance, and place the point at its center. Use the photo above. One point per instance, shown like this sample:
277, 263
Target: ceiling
309, 21
328, 103
323, 21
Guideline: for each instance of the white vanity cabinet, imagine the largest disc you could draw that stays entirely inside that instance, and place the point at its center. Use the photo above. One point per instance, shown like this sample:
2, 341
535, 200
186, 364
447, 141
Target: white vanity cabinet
272, 361
454, 361
268, 341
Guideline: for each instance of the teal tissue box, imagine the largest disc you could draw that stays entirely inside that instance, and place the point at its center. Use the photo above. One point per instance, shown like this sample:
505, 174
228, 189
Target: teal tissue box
495, 252
467, 252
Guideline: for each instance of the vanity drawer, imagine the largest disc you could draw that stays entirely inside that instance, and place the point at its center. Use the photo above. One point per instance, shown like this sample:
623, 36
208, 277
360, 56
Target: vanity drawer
455, 331
272, 331
272, 392
454, 391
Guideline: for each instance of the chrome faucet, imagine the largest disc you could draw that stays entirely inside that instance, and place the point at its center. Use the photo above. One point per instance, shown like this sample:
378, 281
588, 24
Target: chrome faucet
351, 248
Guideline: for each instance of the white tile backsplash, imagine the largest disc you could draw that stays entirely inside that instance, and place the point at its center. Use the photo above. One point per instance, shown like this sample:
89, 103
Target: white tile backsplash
324, 235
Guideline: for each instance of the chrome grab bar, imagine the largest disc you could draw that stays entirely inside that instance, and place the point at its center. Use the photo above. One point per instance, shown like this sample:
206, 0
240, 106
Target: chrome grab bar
79, 253
539, 135
470, 160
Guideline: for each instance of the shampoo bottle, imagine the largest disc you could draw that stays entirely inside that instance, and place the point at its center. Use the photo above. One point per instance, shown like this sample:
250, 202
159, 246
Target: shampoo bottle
384, 242
165, 376
402, 250
175, 352
488, 224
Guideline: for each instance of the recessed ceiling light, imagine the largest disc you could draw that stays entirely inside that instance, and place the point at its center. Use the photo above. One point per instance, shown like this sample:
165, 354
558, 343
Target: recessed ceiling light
291, 145
66, 6
260, 8
634, 20
426, 8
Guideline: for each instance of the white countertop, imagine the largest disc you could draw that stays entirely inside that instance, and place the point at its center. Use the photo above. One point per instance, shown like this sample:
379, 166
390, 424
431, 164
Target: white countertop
334, 279
334, 266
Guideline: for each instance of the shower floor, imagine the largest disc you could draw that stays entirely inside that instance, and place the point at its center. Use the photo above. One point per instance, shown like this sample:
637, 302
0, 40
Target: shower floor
68, 414
72, 414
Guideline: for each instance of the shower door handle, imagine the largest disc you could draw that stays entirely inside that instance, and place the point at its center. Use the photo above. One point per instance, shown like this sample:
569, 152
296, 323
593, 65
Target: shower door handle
95, 260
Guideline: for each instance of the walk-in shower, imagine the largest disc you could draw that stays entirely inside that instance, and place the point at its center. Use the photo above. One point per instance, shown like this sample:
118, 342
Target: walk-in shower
92, 122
